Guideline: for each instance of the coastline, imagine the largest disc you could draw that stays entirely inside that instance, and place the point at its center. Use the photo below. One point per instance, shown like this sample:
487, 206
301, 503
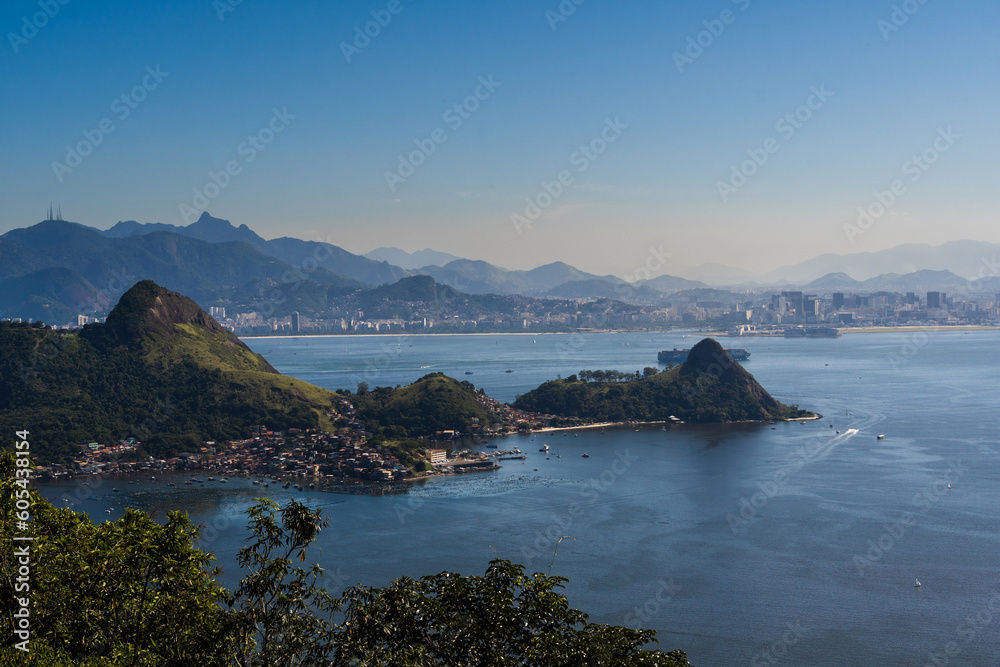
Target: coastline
918, 328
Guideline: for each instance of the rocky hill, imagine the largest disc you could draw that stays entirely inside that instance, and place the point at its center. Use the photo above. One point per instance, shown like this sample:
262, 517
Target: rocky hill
160, 370
708, 387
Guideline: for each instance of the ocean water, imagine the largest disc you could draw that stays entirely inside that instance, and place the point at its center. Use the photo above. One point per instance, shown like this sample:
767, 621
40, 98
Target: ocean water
786, 544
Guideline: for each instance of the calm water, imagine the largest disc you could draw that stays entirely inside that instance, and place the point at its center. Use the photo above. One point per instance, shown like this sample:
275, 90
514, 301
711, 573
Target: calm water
729, 540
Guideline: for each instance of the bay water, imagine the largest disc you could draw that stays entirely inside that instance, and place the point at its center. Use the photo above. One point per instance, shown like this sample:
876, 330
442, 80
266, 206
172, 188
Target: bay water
749, 544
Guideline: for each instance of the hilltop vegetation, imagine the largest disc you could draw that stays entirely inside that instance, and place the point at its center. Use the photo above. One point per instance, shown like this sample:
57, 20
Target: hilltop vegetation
433, 403
160, 370
708, 387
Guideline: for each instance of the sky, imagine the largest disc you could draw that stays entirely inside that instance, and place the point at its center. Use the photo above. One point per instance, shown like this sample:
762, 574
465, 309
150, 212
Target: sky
602, 134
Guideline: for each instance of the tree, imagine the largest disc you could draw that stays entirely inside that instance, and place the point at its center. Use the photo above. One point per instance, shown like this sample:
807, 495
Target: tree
503, 618
284, 618
125, 592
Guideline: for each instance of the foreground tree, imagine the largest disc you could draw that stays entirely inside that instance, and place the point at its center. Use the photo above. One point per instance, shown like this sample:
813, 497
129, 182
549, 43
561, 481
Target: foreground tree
284, 618
126, 592
503, 618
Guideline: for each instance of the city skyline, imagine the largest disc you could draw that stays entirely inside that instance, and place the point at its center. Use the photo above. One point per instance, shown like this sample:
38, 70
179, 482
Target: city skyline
750, 135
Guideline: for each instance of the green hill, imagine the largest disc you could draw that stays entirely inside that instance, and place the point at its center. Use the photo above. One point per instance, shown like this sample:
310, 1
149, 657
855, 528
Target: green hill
160, 370
708, 387
433, 403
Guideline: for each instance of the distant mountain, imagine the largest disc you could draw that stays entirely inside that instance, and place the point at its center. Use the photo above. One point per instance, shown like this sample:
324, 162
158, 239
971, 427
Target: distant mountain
918, 281
303, 256
206, 228
670, 284
835, 281
963, 258
411, 260
605, 288
718, 275
160, 370
210, 272
51, 295
478, 277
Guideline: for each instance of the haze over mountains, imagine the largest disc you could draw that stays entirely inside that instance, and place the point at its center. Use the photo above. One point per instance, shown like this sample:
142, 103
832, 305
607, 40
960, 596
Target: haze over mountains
56, 269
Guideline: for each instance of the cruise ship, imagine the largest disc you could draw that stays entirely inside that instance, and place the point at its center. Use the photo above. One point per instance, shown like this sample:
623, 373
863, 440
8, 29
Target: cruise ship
680, 356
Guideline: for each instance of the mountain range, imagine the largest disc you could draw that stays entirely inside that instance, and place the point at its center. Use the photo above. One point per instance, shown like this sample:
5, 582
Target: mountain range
54, 270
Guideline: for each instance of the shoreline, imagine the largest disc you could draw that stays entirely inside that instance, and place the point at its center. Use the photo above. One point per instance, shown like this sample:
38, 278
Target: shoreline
920, 327
710, 334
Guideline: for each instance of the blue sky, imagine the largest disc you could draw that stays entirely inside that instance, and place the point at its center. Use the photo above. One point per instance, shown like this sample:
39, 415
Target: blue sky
556, 86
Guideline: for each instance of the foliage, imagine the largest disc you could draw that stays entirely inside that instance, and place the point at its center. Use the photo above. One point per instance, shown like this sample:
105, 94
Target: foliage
433, 403
285, 619
127, 592
503, 618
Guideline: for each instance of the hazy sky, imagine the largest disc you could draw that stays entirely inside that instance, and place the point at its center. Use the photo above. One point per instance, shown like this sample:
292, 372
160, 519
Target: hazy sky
667, 98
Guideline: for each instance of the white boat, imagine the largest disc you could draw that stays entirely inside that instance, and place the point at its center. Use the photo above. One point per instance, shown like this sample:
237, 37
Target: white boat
880, 437
917, 585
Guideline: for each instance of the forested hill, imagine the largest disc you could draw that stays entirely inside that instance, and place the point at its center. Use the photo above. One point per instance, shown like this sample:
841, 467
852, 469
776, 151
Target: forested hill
708, 387
433, 403
160, 370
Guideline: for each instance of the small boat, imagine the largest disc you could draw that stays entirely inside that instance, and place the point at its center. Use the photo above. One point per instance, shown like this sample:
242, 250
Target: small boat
115, 489
586, 455
508, 371
211, 479
544, 448
468, 372
880, 437
917, 585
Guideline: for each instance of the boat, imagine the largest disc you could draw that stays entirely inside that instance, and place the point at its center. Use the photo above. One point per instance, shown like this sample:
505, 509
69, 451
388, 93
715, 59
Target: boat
880, 437
468, 372
680, 356
917, 585
115, 489
586, 455
492, 445
508, 371
211, 479
544, 448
